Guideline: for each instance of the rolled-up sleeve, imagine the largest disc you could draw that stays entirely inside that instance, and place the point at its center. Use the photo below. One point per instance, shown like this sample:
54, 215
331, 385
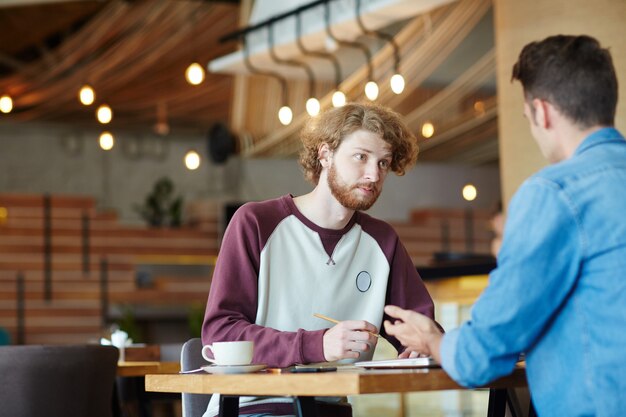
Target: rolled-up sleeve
448, 347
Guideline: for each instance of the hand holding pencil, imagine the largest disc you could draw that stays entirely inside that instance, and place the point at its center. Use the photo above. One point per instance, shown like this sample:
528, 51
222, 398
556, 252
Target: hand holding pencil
347, 339
323, 317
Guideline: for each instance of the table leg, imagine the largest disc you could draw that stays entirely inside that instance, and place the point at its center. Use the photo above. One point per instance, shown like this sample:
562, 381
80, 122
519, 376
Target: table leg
497, 403
144, 401
115, 402
304, 406
229, 406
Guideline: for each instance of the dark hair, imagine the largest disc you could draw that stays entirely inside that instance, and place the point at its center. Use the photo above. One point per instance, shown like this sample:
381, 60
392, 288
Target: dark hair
573, 73
334, 125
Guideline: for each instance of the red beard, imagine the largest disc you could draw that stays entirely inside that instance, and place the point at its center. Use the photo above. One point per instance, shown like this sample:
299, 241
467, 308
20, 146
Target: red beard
346, 194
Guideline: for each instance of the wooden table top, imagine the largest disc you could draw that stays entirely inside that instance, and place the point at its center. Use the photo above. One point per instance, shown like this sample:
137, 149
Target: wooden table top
344, 382
142, 368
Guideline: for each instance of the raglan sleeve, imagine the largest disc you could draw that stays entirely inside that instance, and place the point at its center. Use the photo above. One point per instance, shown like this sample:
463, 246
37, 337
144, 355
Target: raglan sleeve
232, 302
405, 288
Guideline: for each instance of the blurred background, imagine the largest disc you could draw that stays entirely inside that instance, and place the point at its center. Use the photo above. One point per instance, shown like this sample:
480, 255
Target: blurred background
131, 130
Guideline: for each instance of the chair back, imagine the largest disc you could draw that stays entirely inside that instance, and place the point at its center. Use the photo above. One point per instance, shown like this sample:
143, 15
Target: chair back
194, 405
57, 381
5, 337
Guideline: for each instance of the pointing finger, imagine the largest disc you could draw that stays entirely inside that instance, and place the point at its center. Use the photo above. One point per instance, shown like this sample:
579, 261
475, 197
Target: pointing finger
396, 312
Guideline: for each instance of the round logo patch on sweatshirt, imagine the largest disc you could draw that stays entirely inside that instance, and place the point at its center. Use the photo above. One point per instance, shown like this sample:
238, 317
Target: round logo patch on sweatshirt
363, 281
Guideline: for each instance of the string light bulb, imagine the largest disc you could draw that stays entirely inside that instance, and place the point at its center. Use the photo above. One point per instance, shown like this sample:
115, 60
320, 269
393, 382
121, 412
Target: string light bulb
469, 192
6, 103
479, 108
195, 74
192, 160
371, 90
285, 115
397, 83
86, 95
339, 99
104, 114
313, 107
107, 141
428, 130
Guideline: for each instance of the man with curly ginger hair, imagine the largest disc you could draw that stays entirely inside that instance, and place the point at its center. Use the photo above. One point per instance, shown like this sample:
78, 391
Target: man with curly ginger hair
284, 260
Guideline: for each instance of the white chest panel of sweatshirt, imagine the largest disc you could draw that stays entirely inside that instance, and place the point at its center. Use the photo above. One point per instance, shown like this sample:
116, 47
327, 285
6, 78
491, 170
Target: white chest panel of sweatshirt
297, 279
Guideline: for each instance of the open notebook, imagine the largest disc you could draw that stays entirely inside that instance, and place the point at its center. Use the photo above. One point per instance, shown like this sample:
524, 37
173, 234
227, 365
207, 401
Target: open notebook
399, 363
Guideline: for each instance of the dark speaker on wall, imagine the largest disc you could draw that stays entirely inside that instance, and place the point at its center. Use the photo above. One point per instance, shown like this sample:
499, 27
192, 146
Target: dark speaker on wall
221, 143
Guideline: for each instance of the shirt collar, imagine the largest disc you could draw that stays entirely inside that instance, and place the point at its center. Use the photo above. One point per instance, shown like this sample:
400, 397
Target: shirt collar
604, 135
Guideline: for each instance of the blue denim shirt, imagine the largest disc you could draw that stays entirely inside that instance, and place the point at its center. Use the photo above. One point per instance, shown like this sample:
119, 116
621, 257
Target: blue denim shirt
559, 291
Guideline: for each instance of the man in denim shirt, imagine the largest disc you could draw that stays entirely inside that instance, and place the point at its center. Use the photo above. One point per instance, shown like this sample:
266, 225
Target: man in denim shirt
559, 292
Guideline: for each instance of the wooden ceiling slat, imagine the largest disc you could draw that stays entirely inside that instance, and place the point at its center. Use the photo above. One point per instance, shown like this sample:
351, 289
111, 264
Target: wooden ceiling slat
48, 20
135, 55
423, 56
441, 104
475, 146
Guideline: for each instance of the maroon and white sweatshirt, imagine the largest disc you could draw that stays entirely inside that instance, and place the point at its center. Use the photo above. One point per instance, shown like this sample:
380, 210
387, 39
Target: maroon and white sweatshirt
276, 269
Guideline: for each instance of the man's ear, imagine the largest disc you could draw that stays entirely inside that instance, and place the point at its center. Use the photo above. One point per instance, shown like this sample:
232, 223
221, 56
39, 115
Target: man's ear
543, 113
323, 154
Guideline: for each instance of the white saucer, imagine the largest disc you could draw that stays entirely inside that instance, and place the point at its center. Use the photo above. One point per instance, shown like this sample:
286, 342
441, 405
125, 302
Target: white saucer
232, 369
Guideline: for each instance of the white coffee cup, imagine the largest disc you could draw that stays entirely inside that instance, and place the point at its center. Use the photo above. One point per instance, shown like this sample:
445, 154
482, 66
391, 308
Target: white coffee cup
119, 338
229, 353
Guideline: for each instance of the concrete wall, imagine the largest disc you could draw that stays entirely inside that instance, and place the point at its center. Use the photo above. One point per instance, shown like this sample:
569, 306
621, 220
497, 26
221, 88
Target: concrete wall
43, 159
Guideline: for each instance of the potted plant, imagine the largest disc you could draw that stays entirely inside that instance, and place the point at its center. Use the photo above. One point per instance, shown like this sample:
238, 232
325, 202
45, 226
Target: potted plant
161, 207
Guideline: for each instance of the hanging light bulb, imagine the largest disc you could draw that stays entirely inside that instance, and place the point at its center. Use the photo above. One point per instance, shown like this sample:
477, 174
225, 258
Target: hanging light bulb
339, 99
397, 83
479, 108
104, 114
285, 115
428, 129
86, 95
107, 141
469, 192
6, 103
371, 90
192, 160
313, 106
194, 74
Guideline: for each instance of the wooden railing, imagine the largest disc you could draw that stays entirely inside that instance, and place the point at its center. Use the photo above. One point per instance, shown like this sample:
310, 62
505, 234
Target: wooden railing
59, 244
429, 232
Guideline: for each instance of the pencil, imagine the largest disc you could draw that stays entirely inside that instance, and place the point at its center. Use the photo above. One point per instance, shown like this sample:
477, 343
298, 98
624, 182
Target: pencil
323, 317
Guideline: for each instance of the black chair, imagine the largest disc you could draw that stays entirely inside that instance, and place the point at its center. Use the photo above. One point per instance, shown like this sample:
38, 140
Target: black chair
194, 405
58, 381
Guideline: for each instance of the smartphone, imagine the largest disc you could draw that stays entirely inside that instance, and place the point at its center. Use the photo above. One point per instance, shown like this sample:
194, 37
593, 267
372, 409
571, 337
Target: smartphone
313, 369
